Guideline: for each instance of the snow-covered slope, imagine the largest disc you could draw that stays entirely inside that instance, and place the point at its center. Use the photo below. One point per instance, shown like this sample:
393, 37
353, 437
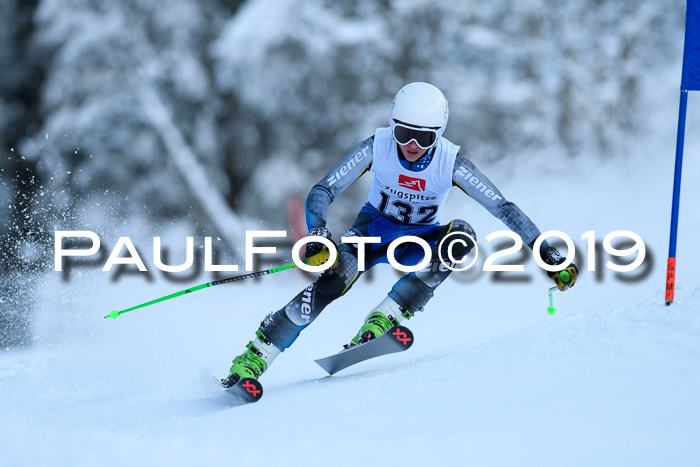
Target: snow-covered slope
614, 386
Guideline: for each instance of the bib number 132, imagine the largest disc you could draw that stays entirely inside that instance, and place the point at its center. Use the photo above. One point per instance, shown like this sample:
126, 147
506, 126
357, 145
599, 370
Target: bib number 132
403, 211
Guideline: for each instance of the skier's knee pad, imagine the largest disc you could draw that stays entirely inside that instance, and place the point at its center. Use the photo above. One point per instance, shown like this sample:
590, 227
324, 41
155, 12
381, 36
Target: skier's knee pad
459, 243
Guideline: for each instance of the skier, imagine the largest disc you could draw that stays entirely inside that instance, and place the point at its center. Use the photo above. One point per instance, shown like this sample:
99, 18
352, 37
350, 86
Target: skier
414, 168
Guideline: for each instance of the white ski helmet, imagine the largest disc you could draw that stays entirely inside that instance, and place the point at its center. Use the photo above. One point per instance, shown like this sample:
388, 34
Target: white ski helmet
421, 106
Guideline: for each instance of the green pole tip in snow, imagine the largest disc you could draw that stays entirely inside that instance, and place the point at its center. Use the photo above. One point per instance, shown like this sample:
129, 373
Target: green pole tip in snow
551, 309
114, 314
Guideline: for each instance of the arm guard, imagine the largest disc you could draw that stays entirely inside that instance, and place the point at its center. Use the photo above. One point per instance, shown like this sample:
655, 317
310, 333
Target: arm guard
350, 168
475, 184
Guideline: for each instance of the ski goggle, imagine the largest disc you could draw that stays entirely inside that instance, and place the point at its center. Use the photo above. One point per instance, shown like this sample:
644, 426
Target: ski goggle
424, 137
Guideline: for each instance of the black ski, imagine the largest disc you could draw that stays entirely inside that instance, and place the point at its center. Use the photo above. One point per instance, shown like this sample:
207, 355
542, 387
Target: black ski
396, 339
246, 390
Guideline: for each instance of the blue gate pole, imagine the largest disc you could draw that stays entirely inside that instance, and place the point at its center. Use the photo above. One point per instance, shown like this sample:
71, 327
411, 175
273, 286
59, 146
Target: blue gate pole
671, 264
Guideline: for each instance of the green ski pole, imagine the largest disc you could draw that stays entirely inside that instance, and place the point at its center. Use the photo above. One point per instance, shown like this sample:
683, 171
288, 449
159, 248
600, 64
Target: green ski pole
551, 309
114, 314
565, 277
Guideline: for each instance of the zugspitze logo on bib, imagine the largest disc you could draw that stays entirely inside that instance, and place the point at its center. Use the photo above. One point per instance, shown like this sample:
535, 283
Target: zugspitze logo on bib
417, 184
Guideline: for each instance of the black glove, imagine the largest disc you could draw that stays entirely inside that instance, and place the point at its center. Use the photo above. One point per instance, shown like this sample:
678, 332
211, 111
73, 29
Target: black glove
564, 279
316, 252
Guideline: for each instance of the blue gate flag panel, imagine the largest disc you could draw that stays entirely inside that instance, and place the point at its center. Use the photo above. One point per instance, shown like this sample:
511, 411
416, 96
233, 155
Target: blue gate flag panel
690, 79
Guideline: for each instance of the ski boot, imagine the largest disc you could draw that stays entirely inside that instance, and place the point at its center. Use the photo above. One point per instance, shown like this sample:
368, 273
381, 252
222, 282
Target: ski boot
253, 362
385, 316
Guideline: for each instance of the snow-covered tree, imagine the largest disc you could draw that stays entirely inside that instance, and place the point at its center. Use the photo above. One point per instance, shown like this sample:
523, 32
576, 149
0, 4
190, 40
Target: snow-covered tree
22, 232
111, 65
557, 76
